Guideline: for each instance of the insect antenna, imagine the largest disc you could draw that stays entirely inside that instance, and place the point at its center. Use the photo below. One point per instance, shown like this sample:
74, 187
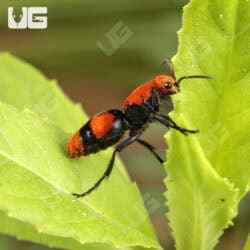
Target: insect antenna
170, 66
194, 76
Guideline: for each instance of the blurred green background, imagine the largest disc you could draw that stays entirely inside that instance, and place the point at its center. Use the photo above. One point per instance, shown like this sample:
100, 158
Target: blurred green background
142, 33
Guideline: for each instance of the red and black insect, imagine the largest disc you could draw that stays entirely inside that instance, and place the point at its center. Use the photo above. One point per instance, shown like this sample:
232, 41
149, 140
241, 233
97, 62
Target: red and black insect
141, 107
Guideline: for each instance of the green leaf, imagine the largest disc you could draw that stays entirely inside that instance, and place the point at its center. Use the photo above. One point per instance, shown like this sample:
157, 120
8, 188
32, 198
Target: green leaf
32, 90
247, 246
208, 173
37, 176
25, 231
201, 203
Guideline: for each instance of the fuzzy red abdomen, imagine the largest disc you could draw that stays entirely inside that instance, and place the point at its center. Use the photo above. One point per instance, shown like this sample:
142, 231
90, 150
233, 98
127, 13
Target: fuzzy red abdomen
101, 124
75, 146
101, 131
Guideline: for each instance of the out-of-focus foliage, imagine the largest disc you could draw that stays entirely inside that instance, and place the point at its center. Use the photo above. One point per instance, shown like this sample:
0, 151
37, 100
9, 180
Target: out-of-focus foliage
75, 26
247, 246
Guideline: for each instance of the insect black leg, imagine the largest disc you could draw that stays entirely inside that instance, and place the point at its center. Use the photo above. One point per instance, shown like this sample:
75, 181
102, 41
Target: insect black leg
174, 125
155, 100
155, 106
168, 122
150, 148
109, 169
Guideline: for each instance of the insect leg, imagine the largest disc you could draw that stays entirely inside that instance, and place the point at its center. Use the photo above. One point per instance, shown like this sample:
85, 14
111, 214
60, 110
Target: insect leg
109, 169
150, 148
176, 126
155, 99
168, 122
155, 103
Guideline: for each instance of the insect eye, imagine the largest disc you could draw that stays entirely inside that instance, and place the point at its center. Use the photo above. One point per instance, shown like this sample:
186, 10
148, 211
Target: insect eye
168, 85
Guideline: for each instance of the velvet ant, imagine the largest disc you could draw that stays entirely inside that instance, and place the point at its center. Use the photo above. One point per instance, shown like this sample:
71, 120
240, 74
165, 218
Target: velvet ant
141, 107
